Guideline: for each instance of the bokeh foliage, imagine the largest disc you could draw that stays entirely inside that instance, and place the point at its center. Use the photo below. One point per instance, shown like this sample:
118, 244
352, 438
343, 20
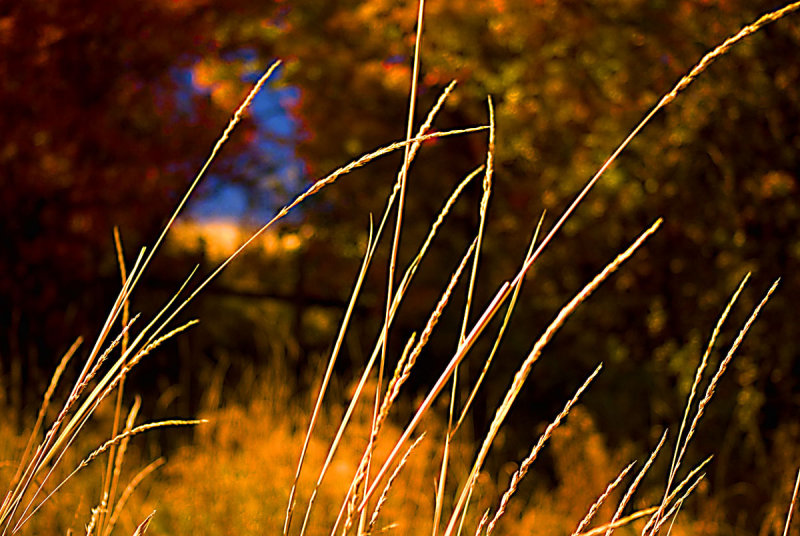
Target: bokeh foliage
103, 124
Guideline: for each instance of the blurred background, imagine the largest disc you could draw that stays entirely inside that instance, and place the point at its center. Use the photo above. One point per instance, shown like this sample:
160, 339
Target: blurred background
107, 109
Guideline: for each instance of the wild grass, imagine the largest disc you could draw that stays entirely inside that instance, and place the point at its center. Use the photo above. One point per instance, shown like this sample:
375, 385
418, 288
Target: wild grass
348, 467
235, 478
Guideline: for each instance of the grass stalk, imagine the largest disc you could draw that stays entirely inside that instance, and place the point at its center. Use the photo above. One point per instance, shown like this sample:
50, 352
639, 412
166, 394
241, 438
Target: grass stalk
681, 447
399, 294
103, 448
129, 489
792, 504
673, 511
520, 473
621, 522
142, 528
40, 419
635, 484
482, 210
533, 356
385, 494
326, 379
115, 462
412, 101
716, 378
499, 337
423, 339
601, 499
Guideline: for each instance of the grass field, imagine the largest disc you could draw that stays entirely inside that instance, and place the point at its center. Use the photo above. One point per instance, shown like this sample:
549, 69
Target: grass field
358, 458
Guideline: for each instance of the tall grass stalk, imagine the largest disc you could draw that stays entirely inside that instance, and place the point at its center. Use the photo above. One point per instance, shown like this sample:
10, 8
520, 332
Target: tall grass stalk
520, 473
533, 356
411, 152
414, 354
482, 210
399, 294
792, 505
602, 499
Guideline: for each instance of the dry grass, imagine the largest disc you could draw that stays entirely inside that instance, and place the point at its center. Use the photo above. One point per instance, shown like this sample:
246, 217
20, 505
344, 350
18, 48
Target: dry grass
347, 467
236, 477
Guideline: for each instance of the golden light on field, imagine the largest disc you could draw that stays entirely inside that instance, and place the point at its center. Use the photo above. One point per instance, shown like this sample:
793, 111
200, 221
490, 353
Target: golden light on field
219, 238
